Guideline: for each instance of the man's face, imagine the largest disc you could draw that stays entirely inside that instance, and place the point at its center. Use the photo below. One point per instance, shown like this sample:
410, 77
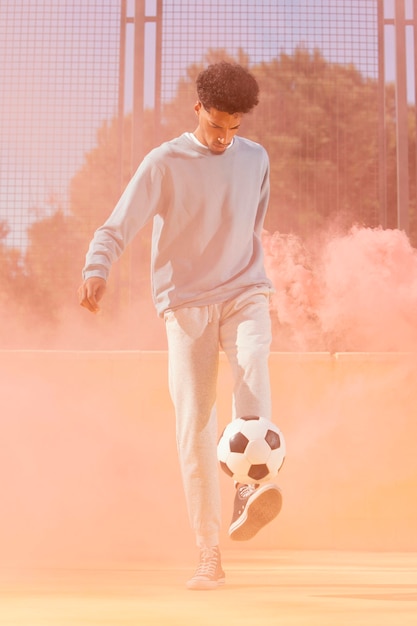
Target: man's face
216, 129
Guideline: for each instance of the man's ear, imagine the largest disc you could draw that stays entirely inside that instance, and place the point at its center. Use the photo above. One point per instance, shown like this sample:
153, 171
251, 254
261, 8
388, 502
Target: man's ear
197, 107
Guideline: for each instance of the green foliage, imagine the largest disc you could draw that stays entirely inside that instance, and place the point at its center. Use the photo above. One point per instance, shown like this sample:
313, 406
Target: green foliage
319, 123
53, 262
13, 282
16, 291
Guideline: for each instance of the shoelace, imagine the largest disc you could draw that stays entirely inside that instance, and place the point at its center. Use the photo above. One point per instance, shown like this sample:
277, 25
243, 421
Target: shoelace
208, 563
246, 490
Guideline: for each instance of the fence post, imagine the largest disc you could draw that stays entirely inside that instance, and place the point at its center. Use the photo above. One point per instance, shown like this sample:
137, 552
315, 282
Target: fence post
402, 118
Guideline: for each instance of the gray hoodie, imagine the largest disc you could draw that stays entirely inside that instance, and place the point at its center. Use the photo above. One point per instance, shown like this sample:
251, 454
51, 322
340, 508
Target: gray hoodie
208, 212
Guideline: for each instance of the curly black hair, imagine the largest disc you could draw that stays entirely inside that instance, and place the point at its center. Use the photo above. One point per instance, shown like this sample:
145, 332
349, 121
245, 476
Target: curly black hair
227, 87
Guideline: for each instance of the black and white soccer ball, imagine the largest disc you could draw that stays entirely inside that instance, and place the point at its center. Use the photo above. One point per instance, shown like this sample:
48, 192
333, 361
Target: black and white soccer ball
251, 450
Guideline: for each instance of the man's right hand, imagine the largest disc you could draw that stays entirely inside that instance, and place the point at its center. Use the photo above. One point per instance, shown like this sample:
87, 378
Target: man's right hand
91, 292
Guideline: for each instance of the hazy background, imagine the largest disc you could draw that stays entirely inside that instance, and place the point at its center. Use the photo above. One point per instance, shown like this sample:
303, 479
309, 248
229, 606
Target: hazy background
88, 468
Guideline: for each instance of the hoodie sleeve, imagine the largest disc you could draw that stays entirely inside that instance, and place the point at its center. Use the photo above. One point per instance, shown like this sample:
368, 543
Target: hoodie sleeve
139, 203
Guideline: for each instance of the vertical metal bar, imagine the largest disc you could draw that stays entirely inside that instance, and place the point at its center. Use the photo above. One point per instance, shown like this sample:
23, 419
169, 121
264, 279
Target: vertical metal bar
415, 92
402, 121
138, 82
120, 134
121, 99
158, 69
382, 156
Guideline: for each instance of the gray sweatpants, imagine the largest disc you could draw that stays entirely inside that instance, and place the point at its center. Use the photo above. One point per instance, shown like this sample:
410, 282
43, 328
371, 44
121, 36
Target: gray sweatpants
242, 329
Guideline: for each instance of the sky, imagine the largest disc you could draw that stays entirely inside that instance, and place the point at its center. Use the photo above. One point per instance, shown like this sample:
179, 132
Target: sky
59, 75
389, 9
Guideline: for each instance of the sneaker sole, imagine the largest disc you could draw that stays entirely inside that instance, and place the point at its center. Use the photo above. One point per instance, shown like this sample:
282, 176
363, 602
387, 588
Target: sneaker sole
204, 585
263, 506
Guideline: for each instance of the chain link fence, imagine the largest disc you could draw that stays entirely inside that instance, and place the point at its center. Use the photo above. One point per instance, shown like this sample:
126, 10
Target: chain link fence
89, 86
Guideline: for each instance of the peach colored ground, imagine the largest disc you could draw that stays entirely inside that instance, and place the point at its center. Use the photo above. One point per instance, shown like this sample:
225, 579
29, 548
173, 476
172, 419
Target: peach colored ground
89, 471
93, 528
278, 588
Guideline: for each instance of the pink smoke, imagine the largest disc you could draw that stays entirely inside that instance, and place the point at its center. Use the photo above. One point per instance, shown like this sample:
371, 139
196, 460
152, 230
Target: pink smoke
358, 292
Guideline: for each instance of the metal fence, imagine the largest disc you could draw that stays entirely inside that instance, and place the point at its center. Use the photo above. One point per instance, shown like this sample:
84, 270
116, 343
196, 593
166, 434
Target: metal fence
344, 33
88, 86
66, 65
59, 83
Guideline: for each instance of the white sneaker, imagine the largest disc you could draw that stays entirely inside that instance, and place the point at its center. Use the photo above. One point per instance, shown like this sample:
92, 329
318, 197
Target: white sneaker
209, 573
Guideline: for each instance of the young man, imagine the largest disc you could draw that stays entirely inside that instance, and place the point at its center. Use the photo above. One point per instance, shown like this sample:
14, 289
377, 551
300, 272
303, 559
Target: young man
207, 194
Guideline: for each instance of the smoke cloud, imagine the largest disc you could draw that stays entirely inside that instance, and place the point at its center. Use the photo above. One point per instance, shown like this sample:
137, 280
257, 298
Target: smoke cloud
88, 465
353, 292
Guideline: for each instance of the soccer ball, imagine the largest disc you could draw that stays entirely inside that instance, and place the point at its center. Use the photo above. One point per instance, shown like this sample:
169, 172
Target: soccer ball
251, 450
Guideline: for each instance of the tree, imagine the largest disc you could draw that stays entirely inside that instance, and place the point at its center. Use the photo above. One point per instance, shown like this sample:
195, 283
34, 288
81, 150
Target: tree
15, 291
322, 142
318, 121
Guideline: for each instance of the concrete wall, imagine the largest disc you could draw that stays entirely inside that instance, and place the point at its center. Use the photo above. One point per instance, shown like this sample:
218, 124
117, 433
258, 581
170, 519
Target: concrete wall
88, 466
